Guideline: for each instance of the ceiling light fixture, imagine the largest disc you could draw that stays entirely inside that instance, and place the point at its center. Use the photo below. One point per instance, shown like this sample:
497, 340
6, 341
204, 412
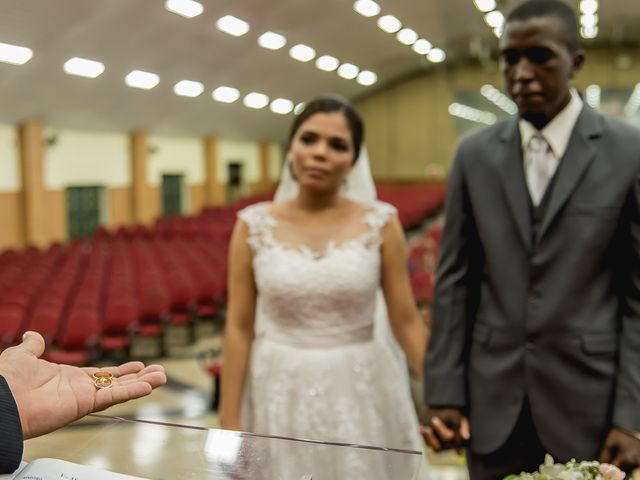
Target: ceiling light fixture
232, 25
281, 106
188, 88
367, 8
141, 79
389, 24
422, 46
406, 36
185, 8
485, 5
498, 98
327, 63
348, 71
366, 78
299, 108
14, 54
436, 55
494, 19
473, 114
588, 7
593, 95
256, 100
302, 53
589, 32
83, 67
632, 106
272, 41
225, 94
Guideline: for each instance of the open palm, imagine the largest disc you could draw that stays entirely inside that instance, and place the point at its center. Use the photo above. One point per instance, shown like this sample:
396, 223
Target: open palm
50, 395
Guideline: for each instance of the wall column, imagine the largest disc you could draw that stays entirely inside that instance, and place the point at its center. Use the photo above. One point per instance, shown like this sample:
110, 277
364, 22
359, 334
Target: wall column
31, 166
139, 159
215, 191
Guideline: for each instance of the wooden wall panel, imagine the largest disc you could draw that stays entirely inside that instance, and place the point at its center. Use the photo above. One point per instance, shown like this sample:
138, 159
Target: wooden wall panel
11, 218
119, 207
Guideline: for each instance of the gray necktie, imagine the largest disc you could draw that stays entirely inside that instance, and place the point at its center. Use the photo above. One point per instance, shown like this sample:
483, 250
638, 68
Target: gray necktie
538, 167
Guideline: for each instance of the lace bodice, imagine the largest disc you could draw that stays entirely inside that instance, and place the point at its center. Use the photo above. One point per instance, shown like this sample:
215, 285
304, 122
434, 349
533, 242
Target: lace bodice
316, 299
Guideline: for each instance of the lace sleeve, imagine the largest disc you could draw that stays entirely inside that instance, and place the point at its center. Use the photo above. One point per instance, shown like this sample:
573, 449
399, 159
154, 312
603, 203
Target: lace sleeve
380, 213
258, 222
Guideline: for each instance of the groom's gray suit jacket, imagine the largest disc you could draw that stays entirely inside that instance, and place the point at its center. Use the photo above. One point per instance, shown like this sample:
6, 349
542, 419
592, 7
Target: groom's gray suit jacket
547, 310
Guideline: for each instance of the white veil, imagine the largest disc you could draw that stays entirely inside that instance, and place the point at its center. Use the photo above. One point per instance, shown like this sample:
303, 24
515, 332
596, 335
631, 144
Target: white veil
360, 188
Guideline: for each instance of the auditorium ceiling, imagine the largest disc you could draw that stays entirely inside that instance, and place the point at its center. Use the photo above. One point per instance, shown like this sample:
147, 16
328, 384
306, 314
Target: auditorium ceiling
128, 35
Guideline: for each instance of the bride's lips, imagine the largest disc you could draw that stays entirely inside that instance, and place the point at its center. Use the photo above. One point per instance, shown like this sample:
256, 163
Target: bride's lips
316, 172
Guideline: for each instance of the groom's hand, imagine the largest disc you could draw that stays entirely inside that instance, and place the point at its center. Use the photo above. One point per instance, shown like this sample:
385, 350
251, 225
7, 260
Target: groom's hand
445, 428
622, 448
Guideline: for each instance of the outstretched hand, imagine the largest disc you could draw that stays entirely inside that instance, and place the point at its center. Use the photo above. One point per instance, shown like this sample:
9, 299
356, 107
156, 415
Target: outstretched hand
49, 395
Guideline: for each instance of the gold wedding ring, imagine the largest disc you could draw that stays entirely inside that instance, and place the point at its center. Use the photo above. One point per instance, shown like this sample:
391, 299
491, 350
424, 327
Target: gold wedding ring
103, 380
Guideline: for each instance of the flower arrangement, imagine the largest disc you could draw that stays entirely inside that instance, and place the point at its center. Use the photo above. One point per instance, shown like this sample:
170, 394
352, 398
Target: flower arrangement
571, 470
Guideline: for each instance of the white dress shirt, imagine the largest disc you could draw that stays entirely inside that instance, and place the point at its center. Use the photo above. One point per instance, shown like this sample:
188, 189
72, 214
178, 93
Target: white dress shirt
539, 168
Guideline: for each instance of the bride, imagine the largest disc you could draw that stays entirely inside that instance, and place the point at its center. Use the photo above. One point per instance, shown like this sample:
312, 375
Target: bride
300, 355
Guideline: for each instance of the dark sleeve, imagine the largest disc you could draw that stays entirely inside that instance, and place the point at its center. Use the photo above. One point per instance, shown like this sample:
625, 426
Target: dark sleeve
10, 430
446, 359
626, 412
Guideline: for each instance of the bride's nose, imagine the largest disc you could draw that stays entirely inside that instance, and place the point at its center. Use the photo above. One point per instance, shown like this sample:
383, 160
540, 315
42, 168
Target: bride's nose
320, 149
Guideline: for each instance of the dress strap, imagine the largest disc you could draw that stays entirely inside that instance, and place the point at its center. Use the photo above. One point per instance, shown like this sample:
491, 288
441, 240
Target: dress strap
260, 224
379, 214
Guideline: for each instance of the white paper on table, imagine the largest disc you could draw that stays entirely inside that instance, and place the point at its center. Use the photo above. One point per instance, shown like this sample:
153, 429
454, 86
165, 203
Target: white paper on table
54, 469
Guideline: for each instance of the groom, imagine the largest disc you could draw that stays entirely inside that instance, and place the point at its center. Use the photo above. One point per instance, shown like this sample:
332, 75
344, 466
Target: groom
536, 326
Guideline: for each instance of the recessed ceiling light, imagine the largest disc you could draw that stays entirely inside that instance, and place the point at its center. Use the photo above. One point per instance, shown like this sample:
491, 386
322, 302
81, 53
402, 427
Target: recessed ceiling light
302, 53
83, 67
407, 36
140, 79
299, 108
327, 63
485, 5
272, 40
494, 19
389, 24
589, 21
225, 94
186, 8
589, 7
348, 71
256, 100
589, 32
188, 88
366, 78
436, 55
367, 8
422, 46
232, 25
281, 106
14, 54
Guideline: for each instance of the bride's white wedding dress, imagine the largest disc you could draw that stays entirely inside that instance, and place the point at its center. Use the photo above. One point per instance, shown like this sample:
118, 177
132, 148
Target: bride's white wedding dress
315, 369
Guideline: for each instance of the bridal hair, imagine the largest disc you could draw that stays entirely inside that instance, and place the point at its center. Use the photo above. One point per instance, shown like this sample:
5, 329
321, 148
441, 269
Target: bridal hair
330, 104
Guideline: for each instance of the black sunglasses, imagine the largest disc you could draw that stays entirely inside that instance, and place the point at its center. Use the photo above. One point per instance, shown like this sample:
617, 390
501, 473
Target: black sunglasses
537, 55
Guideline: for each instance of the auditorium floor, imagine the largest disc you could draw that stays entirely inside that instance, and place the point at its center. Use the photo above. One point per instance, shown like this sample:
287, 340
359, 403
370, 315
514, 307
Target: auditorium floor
184, 400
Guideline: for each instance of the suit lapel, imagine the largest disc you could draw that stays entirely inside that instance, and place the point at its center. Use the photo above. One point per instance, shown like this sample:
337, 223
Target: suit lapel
509, 158
579, 154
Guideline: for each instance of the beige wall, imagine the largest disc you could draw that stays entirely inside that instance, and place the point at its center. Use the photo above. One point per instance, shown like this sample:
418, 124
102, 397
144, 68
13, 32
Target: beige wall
408, 126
